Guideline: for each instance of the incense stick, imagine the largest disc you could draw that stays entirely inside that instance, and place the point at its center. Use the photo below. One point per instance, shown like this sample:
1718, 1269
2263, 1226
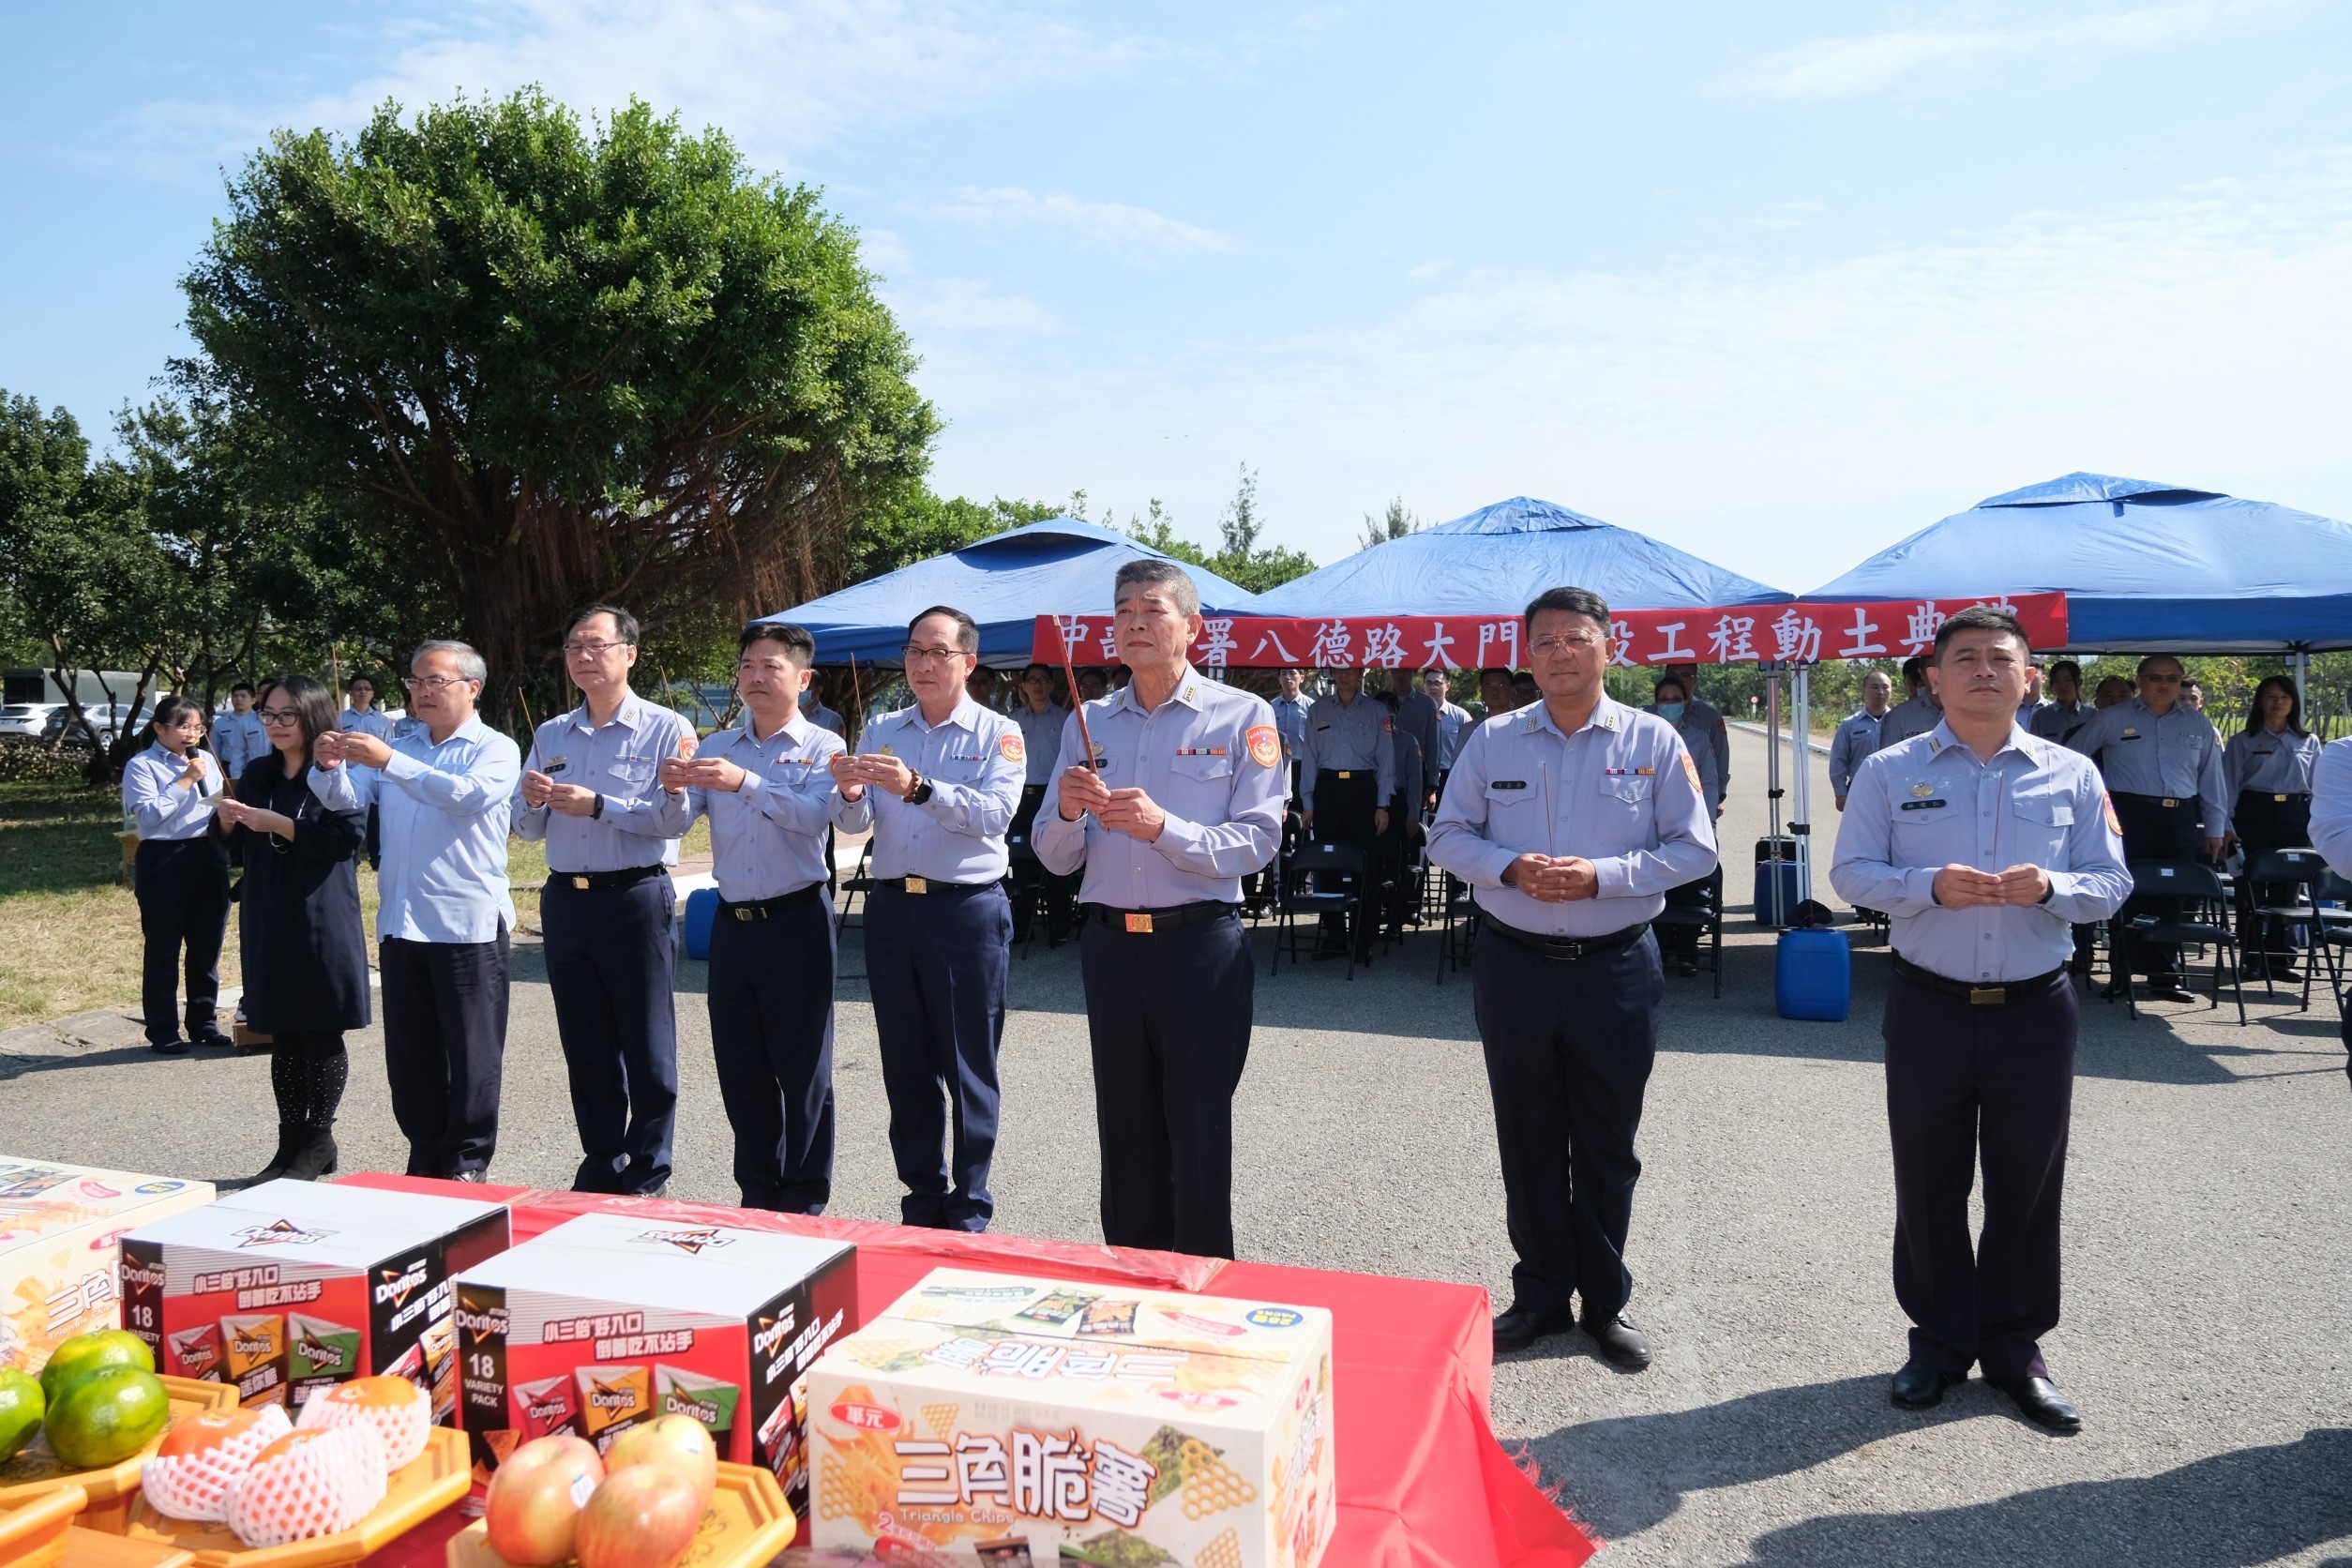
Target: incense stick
1069, 677
529, 723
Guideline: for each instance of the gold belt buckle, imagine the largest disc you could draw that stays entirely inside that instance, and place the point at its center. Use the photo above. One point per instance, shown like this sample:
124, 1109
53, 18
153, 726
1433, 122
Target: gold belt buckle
581, 883
916, 884
1987, 996
2170, 803
745, 914
1139, 925
2280, 799
1344, 773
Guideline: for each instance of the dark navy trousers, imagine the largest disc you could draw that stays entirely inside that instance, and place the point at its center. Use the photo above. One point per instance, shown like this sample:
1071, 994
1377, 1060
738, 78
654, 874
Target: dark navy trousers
771, 1003
1969, 1084
611, 964
938, 963
1569, 1047
1168, 1015
183, 887
445, 1049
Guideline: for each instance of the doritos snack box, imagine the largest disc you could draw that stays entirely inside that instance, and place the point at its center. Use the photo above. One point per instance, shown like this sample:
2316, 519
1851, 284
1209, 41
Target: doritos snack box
292, 1286
59, 1225
608, 1322
986, 1419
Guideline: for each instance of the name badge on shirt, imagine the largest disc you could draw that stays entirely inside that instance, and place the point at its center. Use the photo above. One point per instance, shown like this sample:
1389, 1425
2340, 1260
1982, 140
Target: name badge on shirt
1509, 783
1924, 805
554, 766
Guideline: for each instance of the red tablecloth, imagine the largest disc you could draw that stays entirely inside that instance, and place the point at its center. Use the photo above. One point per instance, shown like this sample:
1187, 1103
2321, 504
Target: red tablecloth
1423, 1483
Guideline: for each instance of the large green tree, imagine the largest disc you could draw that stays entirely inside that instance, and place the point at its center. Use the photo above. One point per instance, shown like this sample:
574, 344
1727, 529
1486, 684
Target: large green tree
554, 362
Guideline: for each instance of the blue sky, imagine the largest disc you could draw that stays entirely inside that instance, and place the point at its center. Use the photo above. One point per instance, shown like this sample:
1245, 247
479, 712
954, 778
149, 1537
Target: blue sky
1777, 284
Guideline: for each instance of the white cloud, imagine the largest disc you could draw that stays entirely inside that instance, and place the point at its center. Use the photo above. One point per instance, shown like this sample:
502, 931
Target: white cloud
1430, 271
956, 306
1785, 421
1113, 226
1846, 67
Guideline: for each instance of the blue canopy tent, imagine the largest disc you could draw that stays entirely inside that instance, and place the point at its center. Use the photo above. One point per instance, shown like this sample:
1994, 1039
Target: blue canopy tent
1501, 556
1005, 582
2145, 567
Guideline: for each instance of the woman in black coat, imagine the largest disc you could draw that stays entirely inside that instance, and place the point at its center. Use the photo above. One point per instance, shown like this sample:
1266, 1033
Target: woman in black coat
306, 949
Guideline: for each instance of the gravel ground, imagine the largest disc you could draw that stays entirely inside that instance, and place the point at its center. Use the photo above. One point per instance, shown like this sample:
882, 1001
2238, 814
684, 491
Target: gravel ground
2207, 1327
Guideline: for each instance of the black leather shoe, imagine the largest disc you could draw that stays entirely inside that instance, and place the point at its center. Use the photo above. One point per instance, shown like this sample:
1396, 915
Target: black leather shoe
168, 1048
1621, 1343
2039, 1400
1920, 1386
1522, 1326
2168, 993
215, 1040
467, 1176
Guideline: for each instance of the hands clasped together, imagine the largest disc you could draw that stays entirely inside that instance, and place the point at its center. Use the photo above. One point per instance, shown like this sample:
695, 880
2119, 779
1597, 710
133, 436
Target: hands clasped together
1128, 811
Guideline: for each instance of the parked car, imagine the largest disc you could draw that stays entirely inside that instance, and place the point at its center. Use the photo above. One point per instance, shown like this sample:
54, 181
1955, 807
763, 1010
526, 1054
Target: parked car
107, 719
27, 718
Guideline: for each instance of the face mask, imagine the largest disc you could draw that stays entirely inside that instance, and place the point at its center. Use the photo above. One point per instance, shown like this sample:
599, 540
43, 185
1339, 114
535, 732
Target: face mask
1670, 712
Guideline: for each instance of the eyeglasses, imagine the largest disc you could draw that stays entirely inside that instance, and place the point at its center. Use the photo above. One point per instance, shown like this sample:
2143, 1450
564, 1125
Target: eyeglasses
1563, 644
931, 656
429, 684
279, 715
593, 650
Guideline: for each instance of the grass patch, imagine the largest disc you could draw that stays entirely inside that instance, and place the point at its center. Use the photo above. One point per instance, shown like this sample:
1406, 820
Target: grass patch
70, 936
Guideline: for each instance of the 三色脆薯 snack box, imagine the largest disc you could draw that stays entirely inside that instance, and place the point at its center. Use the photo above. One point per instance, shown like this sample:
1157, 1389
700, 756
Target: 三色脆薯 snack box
59, 1227
609, 1320
292, 1287
995, 1420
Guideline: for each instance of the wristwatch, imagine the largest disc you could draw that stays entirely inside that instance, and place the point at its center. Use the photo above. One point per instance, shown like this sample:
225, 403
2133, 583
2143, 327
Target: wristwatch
595, 812
921, 793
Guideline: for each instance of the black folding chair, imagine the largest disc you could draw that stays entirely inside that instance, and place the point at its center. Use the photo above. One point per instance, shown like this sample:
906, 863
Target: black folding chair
2332, 930
1324, 879
1459, 930
1025, 884
1702, 911
2281, 885
858, 882
2197, 912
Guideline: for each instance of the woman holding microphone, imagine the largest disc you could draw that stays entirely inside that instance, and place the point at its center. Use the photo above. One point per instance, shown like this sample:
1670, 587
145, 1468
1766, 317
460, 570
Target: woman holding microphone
305, 947
2267, 770
182, 874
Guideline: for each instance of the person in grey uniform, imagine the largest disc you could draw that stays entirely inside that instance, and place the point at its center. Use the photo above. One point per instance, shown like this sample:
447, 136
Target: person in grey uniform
1983, 843
1041, 720
1699, 712
171, 790
1452, 719
2266, 774
1679, 944
1348, 773
591, 791
2162, 765
1570, 820
2066, 712
767, 787
1290, 705
238, 736
363, 717
1858, 736
1182, 799
1404, 828
1416, 715
1916, 714
813, 709
938, 782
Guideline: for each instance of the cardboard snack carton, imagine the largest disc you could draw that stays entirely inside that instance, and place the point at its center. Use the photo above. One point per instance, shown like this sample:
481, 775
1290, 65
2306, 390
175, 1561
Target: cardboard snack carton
995, 1420
59, 1227
608, 1322
292, 1286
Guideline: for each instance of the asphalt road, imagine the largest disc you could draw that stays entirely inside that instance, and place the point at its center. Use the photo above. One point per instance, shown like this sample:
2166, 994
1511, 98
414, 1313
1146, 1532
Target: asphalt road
2207, 1326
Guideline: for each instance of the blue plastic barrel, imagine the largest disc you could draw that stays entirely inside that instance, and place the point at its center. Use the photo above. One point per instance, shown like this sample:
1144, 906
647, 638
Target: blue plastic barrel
1789, 895
1812, 975
702, 912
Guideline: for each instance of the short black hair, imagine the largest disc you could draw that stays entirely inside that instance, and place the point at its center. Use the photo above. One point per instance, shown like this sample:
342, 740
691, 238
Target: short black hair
1522, 677
1913, 667
310, 699
1028, 670
624, 626
1575, 601
1493, 670
2141, 668
247, 687
1981, 617
966, 629
1386, 699
799, 646
2070, 667
1676, 682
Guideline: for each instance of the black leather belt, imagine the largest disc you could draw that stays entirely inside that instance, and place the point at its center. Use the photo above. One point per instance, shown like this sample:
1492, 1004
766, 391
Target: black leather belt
926, 886
1567, 947
1978, 996
1144, 922
2276, 799
2170, 803
603, 881
762, 909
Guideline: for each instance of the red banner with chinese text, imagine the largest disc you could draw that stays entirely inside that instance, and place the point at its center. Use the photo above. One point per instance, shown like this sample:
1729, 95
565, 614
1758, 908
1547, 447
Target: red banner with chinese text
1802, 633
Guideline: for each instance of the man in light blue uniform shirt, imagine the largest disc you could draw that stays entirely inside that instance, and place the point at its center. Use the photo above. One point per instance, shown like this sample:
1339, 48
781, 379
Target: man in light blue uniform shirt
1916, 714
591, 793
1347, 774
1983, 843
1184, 800
767, 787
1290, 706
1570, 818
363, 714
2163, 764
1452, 719
940, 782
237, 737
1858, 737
443, 794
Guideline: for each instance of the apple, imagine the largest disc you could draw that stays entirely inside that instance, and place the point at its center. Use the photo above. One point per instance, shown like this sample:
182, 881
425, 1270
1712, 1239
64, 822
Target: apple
676, 1440
535, 1500
645, 1516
